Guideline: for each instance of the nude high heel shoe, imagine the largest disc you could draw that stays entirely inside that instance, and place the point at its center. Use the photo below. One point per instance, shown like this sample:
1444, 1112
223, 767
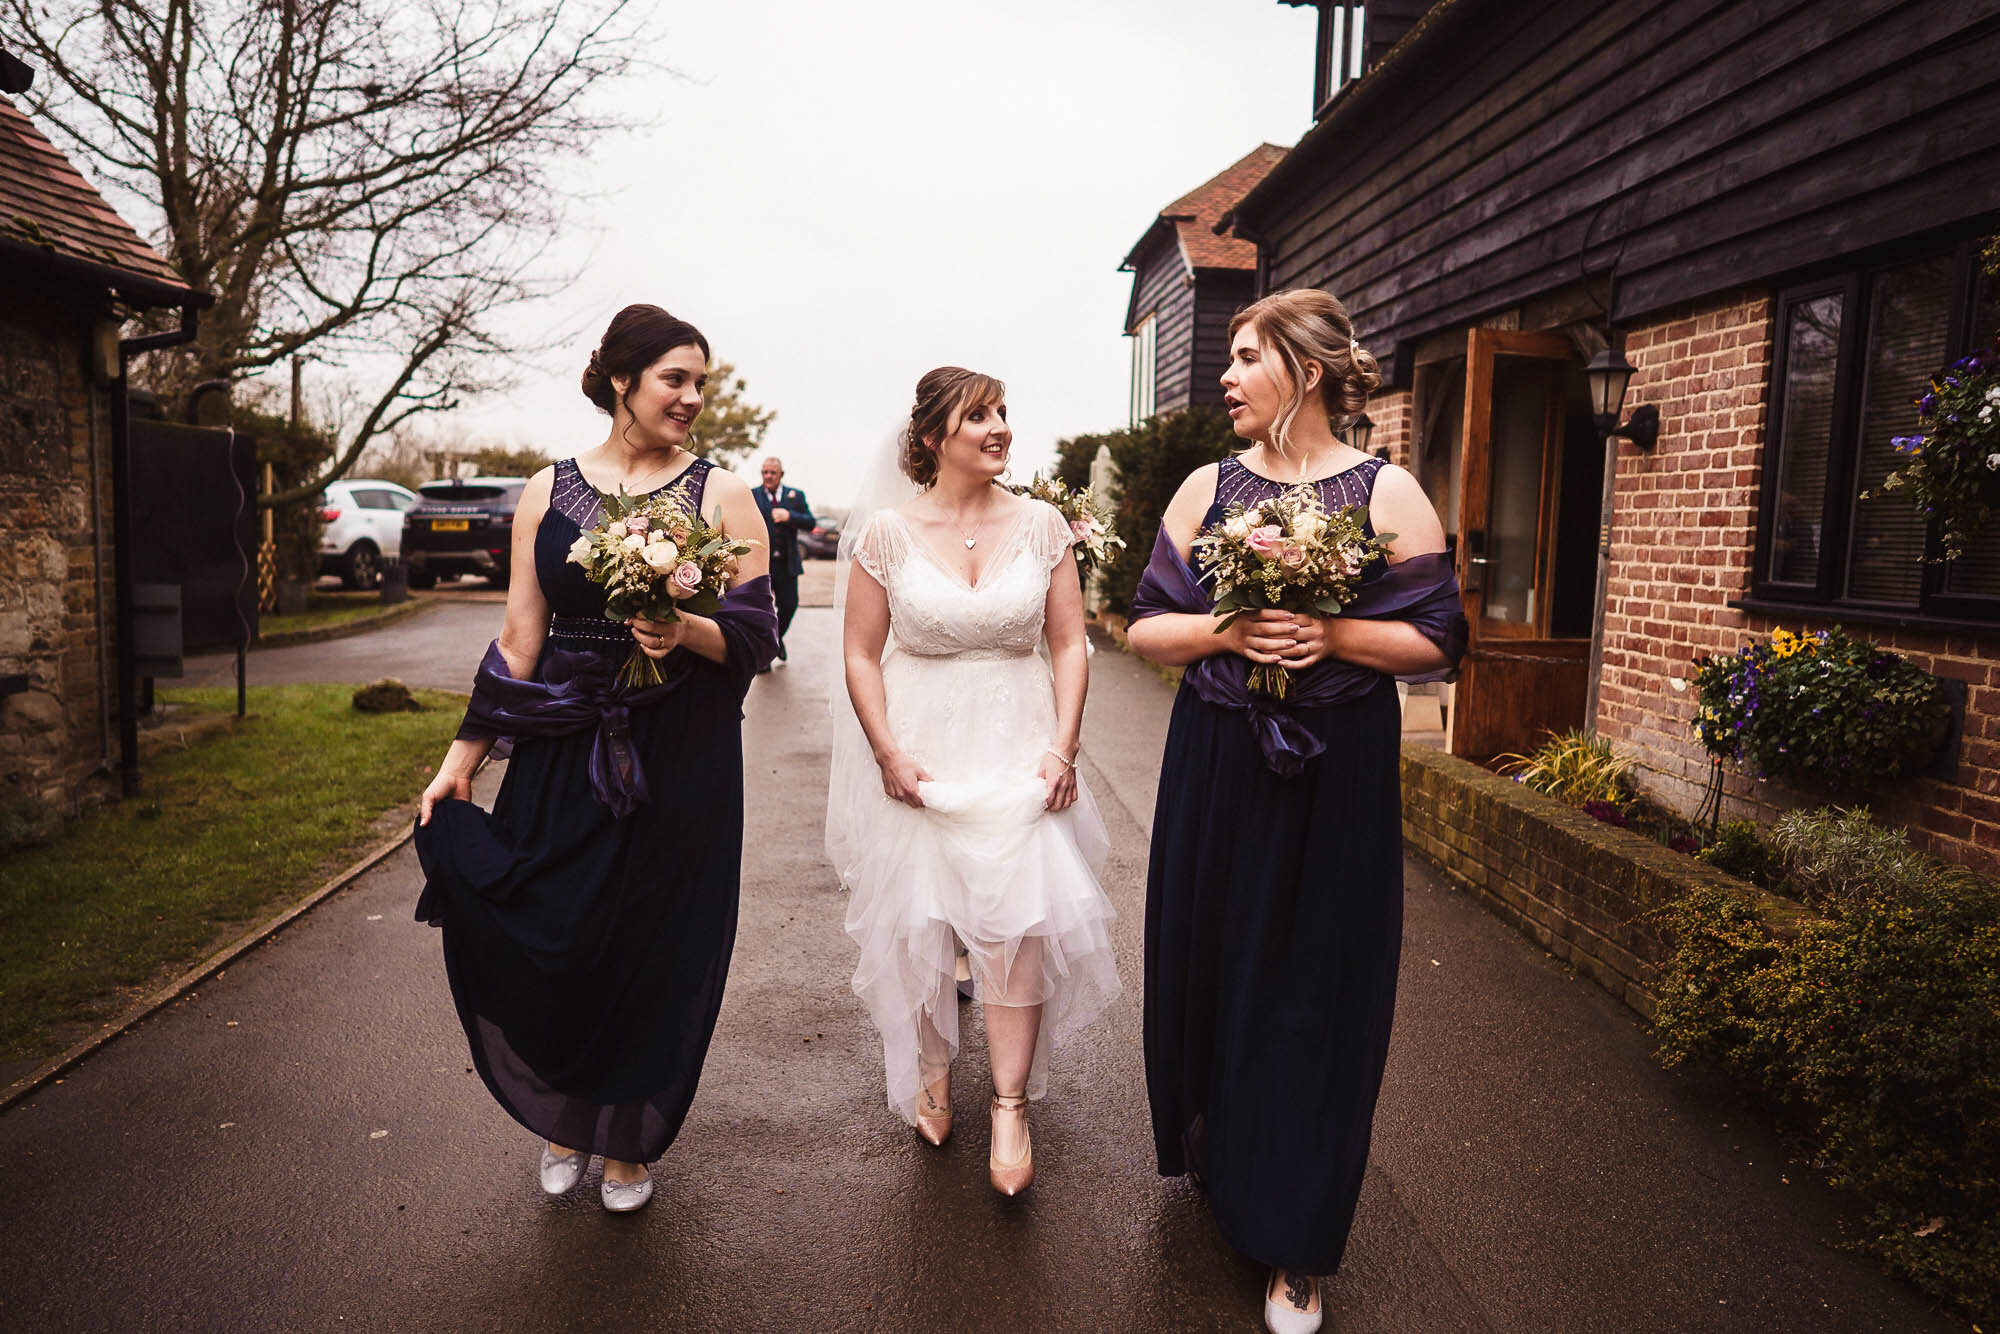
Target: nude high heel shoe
934, 1121
1012, 1178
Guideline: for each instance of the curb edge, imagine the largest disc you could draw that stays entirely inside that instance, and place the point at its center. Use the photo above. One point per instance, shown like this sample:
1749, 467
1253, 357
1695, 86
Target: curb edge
207, 968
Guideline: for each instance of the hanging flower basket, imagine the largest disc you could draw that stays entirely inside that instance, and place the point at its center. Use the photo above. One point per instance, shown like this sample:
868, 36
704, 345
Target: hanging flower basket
1952, 472
1820, 710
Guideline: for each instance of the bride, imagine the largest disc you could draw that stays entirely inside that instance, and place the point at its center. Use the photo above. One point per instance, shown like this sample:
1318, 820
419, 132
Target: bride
955, 814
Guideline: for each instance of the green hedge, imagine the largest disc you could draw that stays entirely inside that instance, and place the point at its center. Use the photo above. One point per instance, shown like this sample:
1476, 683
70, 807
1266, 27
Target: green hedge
1876, 1026
1152, 460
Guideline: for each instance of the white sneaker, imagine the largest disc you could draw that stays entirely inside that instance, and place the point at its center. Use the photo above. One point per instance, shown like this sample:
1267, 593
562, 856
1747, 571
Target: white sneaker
1281, 1317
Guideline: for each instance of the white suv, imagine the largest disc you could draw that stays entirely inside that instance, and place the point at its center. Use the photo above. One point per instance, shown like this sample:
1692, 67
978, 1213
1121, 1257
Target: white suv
364, 527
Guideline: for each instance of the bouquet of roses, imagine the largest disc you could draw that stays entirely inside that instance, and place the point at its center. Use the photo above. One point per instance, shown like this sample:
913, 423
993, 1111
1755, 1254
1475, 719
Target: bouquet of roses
1094, 537
656, 557
1286, 554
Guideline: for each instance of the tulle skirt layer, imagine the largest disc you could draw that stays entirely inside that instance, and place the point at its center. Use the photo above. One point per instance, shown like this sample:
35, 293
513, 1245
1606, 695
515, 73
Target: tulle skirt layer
983, 865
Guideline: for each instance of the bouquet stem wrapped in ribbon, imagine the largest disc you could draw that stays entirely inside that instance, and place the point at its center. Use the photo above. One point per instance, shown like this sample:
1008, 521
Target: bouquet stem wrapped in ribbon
656, 557
1286, 554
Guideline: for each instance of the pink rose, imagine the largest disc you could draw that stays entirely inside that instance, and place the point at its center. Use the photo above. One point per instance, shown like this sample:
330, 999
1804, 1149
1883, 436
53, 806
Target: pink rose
685, 581
1267, 541
636, 523
1292, 557
1079, 529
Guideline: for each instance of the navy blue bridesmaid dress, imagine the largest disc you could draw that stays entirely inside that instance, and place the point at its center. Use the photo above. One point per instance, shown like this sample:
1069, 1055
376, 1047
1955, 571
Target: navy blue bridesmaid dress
1274, 916
586, 949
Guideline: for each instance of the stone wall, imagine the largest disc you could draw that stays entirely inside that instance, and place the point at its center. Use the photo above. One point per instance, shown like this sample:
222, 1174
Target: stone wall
1682, 548
1580, 888
55, 571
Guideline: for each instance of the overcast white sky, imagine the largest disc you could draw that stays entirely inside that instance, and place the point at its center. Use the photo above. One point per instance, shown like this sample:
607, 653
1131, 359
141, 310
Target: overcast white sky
843, 196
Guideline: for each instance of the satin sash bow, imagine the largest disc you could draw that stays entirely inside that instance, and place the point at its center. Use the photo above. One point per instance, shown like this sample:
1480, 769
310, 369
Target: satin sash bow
1422, 590
578, 690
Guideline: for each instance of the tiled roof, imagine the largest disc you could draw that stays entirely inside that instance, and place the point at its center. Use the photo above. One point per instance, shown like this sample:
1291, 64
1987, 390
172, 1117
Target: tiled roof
1195, 213
45, 203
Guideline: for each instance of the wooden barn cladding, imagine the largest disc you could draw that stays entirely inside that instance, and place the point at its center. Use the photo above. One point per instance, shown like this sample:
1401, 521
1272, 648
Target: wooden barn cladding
1189, 277
1697, 146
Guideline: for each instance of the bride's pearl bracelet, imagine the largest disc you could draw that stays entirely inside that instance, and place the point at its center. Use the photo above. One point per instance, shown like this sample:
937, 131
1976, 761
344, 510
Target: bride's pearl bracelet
1068, 763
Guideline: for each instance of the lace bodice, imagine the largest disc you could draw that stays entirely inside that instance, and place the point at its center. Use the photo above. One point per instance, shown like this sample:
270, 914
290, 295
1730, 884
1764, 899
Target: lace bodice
577, 604
934, 613
1236, 484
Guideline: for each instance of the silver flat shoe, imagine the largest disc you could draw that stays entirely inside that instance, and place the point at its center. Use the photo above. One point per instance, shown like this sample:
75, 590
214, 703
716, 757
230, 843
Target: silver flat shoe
622, 1197
1281, 1317
561, 1171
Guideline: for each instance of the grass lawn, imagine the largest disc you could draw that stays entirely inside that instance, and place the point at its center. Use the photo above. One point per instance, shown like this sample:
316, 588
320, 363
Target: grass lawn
322, 609
219, 833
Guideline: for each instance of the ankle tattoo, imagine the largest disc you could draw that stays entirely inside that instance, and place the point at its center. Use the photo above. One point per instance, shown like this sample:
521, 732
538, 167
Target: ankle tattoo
1299, 1290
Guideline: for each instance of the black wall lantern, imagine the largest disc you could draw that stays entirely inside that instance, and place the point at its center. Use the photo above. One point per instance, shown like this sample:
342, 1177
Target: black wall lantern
1608, 374
1360, 431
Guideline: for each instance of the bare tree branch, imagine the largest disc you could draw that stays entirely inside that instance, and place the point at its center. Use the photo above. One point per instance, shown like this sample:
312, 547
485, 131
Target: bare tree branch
345, 176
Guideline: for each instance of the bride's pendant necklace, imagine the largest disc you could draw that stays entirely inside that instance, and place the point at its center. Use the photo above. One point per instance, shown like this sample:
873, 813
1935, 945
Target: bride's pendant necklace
971, 538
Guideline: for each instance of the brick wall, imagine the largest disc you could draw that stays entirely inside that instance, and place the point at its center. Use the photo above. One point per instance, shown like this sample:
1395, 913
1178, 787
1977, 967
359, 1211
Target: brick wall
55, 520
1391, 414
1580, 888
1682, 547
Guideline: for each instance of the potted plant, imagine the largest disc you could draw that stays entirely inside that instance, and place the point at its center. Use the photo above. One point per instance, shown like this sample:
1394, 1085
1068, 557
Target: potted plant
1952, 464
1821, 710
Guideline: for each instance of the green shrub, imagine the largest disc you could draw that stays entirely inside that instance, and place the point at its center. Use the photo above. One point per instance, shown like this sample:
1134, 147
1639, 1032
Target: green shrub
1820, 709
1074, 457
1738, 851
1153, 459
1835, 855
1575, 767
1878, 1028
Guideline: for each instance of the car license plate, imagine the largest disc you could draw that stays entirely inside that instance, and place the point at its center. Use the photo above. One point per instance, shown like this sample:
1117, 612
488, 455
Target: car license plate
450, 525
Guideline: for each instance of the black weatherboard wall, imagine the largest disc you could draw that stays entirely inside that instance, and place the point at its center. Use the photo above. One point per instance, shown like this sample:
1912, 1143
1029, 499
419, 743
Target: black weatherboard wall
1700, 145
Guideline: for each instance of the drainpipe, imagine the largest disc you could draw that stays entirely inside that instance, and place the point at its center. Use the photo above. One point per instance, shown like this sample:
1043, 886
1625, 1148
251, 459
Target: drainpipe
121, 538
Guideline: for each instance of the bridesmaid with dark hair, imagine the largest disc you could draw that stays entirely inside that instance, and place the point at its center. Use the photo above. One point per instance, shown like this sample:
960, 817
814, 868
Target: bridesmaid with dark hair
1274, 901
588, 920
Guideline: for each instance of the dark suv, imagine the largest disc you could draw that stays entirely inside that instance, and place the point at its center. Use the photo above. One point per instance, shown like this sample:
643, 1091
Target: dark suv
461, 528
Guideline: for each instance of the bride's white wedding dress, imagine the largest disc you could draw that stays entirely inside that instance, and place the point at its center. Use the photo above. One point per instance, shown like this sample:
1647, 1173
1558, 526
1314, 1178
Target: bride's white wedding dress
973, 702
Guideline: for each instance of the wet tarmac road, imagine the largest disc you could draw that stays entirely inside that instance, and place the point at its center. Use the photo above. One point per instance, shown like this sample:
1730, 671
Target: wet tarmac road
302, 1146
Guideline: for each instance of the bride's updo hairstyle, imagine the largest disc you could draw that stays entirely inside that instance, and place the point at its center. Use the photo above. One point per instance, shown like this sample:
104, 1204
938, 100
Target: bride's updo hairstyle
944, 396
637, 337
1307, 325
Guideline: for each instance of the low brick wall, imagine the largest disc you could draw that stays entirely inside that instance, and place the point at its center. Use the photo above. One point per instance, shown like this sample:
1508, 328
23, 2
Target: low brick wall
1579, 887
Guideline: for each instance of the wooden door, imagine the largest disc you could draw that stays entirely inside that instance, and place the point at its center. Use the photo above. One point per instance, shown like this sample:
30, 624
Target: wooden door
1518, 682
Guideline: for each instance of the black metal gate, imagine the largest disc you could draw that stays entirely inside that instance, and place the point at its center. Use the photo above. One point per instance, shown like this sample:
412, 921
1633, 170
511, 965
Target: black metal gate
194, 524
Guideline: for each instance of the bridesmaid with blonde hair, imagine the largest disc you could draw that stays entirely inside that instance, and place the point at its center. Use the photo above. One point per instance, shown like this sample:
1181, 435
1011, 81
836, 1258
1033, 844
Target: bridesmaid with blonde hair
1275, 892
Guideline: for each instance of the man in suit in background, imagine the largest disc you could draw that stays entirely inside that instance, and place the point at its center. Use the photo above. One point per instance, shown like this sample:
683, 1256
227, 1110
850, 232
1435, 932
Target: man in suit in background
786, 515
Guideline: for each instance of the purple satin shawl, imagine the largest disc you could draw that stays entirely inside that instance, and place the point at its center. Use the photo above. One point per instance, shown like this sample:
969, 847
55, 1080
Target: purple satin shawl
1422, 590
578, 689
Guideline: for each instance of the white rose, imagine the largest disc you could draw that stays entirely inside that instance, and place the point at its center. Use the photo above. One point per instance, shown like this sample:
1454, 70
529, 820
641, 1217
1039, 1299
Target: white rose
1308, 526
661, 555
1253, 519
1993, 462
1237, 528
633, 541
579, 550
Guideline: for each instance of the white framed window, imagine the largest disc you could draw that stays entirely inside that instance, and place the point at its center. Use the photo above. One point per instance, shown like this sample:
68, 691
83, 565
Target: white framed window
1144, 370
1343, 46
